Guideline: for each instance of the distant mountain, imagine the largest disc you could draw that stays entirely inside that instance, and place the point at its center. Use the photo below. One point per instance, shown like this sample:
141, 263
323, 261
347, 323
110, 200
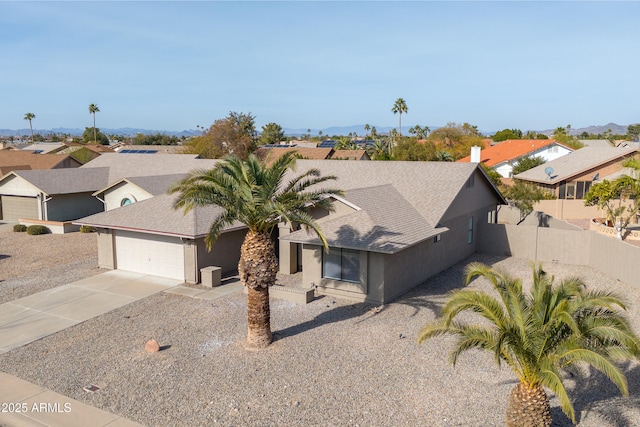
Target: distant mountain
107, 131
329, 131
615, 129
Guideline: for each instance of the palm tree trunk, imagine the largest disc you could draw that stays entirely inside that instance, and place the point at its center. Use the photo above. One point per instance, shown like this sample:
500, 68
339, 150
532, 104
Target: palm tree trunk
257, 268
528, 407
95, 137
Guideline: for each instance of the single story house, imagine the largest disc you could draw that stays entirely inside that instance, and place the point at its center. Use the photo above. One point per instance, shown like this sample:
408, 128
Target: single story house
569, 179
504, 155
11, 160
270, 154
50, 195
68, 194
152, 237
397, 224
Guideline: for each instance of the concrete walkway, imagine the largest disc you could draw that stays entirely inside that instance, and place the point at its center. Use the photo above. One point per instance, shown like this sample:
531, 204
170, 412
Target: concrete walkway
26, 404
30, 318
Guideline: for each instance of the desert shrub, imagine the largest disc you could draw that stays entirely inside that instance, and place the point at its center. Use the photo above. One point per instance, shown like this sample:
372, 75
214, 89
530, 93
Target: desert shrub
19, 228
34, 230
87, 229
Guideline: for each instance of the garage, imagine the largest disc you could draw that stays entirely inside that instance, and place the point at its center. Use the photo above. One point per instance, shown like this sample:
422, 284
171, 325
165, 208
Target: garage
151, 254
16, 207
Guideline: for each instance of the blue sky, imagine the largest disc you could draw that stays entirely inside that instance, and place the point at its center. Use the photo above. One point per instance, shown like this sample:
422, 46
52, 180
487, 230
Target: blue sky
175, 65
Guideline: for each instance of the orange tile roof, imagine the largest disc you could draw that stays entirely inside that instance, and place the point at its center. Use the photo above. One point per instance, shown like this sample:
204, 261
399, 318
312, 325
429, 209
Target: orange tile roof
510, 149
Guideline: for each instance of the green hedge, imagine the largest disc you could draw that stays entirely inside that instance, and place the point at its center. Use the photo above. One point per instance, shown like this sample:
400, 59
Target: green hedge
34, 230
19, 228
87, 229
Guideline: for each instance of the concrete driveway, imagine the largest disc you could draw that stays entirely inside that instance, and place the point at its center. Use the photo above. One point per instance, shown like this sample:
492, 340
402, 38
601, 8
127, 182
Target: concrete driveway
30, 318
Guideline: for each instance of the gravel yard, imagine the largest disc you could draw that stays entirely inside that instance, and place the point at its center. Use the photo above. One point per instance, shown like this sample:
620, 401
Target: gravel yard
333, 363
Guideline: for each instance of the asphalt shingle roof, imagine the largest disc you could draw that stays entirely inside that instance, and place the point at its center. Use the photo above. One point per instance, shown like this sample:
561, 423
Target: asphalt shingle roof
66, 180
154, 185
575, 163
157, 215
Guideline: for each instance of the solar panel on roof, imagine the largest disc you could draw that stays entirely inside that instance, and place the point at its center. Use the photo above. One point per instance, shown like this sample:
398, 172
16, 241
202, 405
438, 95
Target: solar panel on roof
327, 144
127, 151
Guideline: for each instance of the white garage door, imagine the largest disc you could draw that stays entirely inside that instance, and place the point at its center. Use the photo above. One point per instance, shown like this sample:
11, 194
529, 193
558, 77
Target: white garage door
16, 207
150, 254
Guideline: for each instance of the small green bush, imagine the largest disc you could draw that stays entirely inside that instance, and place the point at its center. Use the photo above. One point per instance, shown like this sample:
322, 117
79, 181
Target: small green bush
34, 230
19, 228
87, 229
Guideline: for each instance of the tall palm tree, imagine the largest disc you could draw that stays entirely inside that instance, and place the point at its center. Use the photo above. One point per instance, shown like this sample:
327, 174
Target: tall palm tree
367, 128
93, 109
30, 116
539, 335
400, 107
257, 196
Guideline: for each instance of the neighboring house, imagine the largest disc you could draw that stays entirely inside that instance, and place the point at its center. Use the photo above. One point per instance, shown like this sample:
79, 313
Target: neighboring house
569, 178
161, 149
50, 195
135, 189
271, 154
397, 224
350, 155
152, 237
504, 155
26, 160
74, 188
43, 147
84, 153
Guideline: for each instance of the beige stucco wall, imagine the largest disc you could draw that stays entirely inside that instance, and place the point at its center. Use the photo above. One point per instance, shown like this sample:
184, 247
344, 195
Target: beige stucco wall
114, 195
106, 256
225, 253
16, 186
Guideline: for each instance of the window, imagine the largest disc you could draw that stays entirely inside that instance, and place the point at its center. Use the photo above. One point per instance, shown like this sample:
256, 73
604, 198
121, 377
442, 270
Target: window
341, 264
437, 238
571, 191
126, 201
492, 216
470, 231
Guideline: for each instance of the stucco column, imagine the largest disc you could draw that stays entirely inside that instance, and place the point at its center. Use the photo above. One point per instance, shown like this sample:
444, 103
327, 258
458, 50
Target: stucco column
288, 263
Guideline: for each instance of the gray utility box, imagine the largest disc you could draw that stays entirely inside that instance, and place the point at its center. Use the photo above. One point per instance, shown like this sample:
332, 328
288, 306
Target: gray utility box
211, 276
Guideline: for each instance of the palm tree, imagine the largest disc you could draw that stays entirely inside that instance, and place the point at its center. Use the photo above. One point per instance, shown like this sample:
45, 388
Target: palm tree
93, 109
257, 196
30, 116
400, 107
539, 335
378, 151
367, 128
444, 156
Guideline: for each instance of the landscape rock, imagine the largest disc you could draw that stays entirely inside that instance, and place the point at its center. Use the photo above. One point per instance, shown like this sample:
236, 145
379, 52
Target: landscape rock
152, 346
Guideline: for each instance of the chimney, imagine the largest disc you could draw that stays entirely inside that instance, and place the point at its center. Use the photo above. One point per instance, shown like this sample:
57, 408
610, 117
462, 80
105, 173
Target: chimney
475, 154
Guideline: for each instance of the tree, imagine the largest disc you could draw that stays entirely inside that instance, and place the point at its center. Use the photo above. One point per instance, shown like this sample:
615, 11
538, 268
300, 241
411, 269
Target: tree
562, 135
30, 116
155, 139
412, 150
346, 143
444, 156
618, 198
419, 132
523, 195
93, 109
505, 134
235, 134
539, 336
367, 128
457, 139
272, 133
257, 196
374, 132
92, 135
379, 150
526, 163
400, 107
633, 131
